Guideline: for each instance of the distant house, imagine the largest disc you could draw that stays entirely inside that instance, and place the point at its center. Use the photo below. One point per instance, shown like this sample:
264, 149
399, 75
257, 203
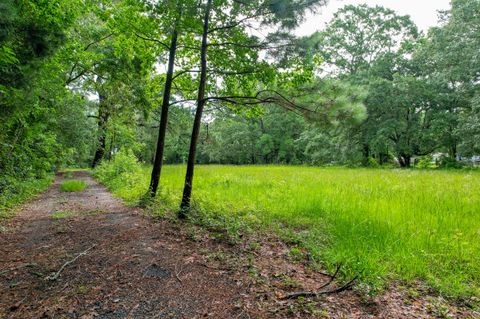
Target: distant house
437, 157
473, 160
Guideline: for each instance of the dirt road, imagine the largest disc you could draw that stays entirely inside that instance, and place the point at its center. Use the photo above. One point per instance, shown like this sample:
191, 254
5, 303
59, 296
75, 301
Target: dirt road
85, 255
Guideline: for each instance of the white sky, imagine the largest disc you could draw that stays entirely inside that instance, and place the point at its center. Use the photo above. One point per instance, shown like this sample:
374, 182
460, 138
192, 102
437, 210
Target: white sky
423, 12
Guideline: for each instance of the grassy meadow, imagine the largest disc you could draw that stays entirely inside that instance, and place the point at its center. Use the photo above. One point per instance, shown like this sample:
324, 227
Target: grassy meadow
385, 225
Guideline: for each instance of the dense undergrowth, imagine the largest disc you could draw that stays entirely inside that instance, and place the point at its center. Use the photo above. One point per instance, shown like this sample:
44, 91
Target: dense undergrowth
384, 225
13, 192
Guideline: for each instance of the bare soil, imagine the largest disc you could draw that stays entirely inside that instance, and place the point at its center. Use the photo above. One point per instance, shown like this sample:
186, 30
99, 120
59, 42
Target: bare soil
86, 255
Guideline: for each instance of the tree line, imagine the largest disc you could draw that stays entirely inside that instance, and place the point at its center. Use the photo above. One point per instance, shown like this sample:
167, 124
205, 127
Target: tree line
226, 81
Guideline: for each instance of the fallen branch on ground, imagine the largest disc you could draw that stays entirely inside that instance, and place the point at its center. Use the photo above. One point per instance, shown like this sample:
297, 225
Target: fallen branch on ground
332, 277
348, 285
55, 275
295, 295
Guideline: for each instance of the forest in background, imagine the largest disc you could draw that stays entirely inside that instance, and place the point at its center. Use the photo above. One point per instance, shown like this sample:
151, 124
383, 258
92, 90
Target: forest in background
81, 80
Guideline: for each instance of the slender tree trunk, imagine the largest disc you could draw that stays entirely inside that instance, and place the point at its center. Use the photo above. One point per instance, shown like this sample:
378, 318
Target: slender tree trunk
453, 151
408, 161
366, 154
103, 116
400, 161
187, 189
404, 160
158, 159
112, 145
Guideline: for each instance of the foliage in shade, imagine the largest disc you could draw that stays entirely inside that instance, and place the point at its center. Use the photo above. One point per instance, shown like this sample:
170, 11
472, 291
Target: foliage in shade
14, 192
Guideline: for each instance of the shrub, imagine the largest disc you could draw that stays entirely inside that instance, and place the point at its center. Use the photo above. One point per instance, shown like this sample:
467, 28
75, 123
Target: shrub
371, 162
425, 162
123, 162
449, 162
123, 173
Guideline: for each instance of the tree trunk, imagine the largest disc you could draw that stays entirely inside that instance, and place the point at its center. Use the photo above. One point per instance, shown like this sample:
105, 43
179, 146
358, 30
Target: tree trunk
187, 189
112, 145
404, 160
453, 151
158, 160
366, 154
103, 116
382, 157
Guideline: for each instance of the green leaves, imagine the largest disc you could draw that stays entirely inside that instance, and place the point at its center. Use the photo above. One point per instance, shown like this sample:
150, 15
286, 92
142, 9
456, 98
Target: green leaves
7, 57
358, 35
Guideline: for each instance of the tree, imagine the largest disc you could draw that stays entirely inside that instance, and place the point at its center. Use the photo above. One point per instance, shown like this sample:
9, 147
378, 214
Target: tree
229, 37
360, 45
109, 62
407, 114
359, 35
450, 57
187, 190
30, 36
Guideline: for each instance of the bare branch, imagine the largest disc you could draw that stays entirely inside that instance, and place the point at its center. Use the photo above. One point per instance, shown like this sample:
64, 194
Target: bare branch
347, 286
182, 101
237, 23
98, 41
166, 46
248, 46
184, 72
223, 72
55, 275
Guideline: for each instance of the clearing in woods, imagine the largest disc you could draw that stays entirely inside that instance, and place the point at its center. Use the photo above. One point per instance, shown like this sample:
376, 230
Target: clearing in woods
86, 255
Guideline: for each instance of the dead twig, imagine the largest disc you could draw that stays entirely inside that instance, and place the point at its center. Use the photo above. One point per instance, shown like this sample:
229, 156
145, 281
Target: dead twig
332, 277
295, 295
55, 275
177, 273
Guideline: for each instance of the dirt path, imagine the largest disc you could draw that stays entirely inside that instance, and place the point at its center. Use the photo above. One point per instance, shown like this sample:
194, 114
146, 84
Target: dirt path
132, 267
86, 255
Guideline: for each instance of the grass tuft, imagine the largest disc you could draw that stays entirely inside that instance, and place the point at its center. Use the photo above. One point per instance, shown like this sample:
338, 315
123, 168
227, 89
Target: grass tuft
62, 215
73, 186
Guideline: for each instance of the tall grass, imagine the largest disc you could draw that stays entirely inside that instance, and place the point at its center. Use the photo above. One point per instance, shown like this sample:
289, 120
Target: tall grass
382, 224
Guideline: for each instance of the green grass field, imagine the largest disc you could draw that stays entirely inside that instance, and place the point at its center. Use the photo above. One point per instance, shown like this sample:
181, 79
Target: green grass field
403, 225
